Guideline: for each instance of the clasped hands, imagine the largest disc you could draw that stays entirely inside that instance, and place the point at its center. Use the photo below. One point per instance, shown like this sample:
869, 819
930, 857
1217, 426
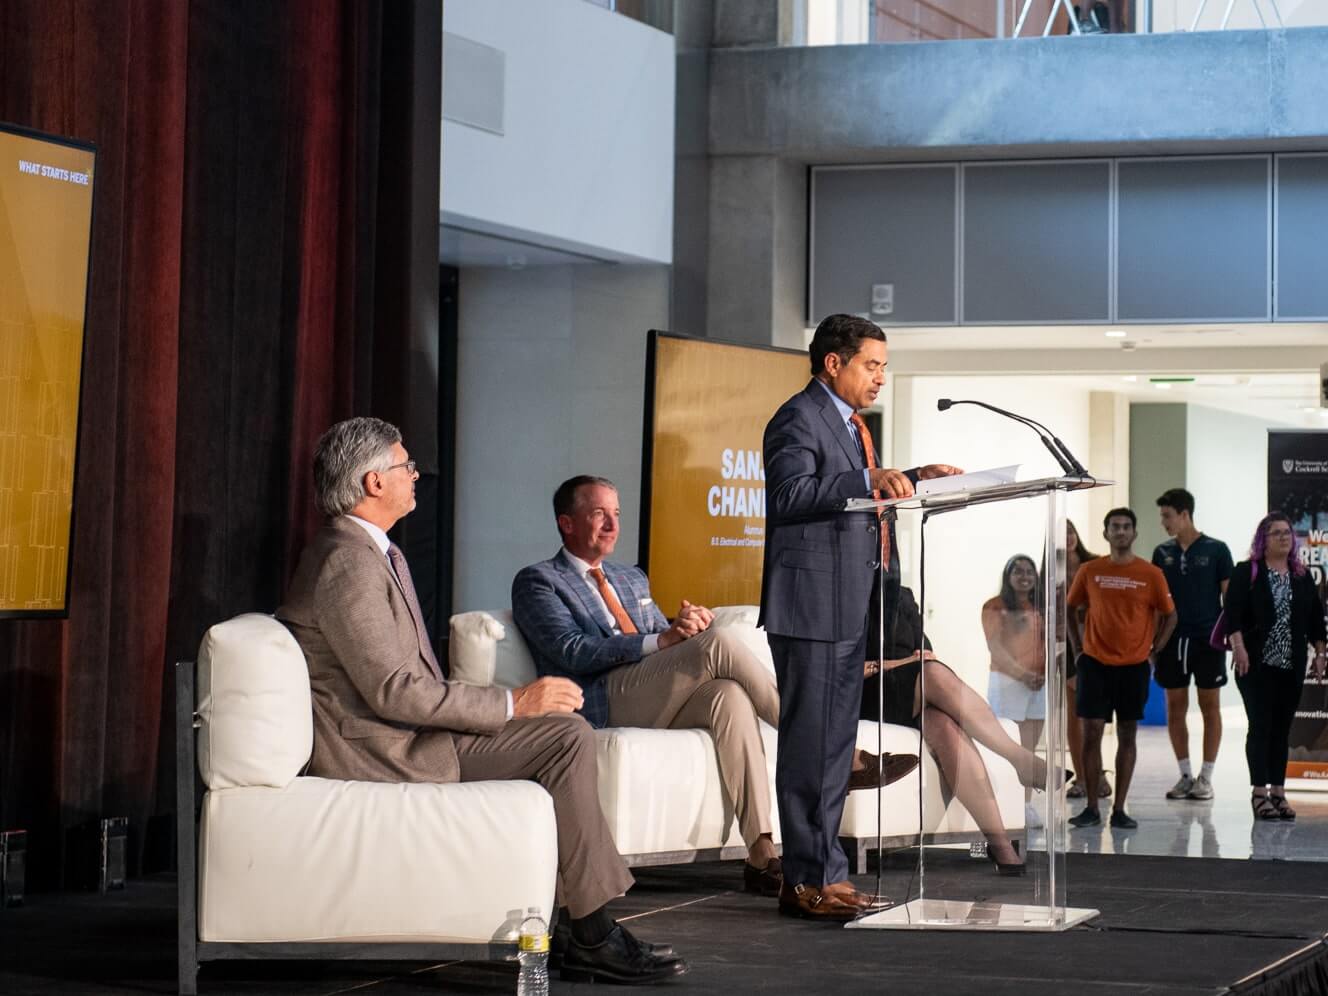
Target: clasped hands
895, 484
691, 619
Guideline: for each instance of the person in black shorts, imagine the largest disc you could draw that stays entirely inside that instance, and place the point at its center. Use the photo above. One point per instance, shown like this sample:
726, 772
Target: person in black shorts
1197, 568
1126, 612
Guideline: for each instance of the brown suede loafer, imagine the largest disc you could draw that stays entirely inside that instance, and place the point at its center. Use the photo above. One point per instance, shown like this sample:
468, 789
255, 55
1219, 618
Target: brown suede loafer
765, 881
811, 903
883, 770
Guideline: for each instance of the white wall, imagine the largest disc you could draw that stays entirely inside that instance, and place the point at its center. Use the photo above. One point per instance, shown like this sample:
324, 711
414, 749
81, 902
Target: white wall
966, 551
1226, 469
586, 159
551, 369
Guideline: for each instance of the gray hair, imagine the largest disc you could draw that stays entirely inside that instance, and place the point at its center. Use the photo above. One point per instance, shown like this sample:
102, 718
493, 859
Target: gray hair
345, 453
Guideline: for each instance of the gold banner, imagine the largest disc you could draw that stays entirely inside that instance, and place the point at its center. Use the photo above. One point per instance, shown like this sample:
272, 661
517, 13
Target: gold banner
45, 226
707, 480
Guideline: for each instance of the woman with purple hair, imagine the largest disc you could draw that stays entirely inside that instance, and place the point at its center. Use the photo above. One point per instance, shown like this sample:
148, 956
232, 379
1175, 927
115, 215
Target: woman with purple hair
1274, 613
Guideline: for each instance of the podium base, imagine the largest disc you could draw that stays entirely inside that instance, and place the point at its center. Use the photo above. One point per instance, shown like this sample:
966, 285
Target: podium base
949, 914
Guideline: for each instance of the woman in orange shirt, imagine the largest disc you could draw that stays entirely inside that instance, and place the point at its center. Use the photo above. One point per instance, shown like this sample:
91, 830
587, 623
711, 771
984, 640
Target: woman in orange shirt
1012, 622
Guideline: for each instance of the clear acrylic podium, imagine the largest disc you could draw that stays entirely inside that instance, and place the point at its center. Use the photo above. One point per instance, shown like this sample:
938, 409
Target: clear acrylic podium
956, 535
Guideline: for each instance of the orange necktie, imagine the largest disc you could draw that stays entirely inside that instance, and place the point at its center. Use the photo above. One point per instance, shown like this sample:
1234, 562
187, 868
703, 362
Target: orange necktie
611, 600
869, 448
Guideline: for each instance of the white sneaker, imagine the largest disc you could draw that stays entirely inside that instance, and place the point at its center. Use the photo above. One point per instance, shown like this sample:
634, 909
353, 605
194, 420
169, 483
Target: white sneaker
1181, 790
1032, 817
1201, 789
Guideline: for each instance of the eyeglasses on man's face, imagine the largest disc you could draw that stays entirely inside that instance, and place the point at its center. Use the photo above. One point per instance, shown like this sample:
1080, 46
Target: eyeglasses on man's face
409, 465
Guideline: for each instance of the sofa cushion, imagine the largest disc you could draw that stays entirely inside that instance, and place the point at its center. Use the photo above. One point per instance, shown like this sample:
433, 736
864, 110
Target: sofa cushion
325, 860
253, 704
486, 648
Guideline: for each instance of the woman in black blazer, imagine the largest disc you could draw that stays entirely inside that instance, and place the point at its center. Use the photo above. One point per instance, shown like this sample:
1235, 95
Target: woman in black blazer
1274, 613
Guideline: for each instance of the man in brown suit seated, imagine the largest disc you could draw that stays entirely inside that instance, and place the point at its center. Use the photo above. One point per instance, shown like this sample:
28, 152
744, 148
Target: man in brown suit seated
385, 711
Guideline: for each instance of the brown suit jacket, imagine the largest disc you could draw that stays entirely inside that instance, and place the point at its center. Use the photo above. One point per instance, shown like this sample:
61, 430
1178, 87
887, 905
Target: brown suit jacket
381, 712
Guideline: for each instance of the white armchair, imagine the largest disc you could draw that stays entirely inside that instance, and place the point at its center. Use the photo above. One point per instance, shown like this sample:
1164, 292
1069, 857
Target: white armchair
275, 864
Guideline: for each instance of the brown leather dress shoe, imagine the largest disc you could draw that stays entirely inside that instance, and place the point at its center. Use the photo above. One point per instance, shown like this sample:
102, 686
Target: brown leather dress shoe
810, 903
765, 881
849, 893
880, 770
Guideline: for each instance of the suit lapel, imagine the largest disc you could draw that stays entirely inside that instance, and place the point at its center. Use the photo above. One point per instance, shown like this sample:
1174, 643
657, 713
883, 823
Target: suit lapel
830, 415
581, 590
353, 533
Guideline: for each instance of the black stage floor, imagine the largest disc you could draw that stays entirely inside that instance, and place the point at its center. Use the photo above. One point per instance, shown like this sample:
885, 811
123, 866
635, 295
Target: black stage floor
1169, 927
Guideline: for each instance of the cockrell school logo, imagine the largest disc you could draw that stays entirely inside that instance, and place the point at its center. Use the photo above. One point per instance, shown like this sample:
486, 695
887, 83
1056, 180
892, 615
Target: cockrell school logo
1317, 467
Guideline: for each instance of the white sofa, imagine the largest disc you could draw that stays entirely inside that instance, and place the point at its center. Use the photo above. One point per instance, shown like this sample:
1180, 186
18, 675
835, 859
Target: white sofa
660, 789
291, 866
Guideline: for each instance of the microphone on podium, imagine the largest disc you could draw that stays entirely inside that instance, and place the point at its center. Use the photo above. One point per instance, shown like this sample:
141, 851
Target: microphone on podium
1059, 450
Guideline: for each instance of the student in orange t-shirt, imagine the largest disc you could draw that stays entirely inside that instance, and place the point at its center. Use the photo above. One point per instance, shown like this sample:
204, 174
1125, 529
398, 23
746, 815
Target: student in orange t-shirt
1125, 610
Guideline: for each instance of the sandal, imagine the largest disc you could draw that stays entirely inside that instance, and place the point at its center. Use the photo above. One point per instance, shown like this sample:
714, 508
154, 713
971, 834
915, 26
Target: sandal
1263, 807
1104, 787
1076, 791
1284, 810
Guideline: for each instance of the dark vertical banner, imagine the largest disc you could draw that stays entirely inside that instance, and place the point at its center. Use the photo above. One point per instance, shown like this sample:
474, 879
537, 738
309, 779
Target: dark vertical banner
1298, 486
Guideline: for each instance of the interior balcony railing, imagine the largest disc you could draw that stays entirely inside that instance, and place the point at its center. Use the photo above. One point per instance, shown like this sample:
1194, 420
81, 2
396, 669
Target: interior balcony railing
855, 22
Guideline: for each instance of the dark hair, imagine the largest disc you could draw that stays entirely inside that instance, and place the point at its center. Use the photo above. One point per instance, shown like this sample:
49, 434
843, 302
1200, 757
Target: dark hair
1007, 595
1122, 513
841, 335
564, 499
1177, 498
1259, 545
1081, 551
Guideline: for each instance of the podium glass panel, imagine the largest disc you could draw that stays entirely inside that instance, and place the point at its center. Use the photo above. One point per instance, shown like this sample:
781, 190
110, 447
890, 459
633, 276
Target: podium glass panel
986, 704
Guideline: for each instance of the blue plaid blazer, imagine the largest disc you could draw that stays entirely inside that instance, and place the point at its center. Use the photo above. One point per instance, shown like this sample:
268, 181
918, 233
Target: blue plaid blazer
568, 633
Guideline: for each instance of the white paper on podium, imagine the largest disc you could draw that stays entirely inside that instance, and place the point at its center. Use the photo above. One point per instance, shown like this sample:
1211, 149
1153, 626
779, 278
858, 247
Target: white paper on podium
967, 482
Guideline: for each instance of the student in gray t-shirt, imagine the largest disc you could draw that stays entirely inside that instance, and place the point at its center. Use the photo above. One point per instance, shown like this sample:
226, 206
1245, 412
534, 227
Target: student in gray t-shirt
1197, 568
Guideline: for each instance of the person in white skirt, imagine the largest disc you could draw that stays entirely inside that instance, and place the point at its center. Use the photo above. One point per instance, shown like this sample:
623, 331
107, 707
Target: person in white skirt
1013, 624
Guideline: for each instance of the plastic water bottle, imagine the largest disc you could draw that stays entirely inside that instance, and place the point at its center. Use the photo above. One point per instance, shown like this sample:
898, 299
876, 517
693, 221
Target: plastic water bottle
533, 953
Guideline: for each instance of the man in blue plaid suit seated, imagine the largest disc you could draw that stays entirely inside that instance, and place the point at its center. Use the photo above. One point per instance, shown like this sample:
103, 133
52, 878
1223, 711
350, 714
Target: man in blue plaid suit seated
594, 621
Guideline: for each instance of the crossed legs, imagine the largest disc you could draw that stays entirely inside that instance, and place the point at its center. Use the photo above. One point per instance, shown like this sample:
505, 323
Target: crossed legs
713, 682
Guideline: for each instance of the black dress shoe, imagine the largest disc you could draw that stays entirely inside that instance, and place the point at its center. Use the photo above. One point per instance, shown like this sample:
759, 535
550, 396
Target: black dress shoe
620, 957
763, 881
562, 938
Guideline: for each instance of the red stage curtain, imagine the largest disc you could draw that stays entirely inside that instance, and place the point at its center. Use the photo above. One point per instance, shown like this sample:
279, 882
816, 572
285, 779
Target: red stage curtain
231, 300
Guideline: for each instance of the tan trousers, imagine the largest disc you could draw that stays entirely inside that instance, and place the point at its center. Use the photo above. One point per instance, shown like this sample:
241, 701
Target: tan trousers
559, 753
711, 682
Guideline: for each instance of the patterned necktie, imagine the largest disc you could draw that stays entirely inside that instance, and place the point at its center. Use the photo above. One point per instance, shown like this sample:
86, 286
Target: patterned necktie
615, 607
398, 561
869, 448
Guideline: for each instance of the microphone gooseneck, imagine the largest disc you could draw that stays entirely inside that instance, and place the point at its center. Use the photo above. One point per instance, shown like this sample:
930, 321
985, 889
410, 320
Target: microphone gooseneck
1059, 451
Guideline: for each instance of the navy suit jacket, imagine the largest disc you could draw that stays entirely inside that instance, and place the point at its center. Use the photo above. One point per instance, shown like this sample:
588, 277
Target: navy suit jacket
567, 631
820, 564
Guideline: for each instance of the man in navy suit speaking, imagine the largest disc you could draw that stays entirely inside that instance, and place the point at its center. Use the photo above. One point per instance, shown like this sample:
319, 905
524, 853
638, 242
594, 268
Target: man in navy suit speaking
818, 589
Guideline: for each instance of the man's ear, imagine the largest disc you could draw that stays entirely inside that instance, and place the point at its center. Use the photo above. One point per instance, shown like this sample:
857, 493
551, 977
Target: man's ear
832, 364
373, 484
564, 524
